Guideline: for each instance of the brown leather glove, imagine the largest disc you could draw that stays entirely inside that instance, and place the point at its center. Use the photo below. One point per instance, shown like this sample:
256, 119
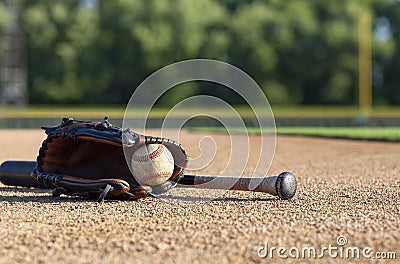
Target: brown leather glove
86, 159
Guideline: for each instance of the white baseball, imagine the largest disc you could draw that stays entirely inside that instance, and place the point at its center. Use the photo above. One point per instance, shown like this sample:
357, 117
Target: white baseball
152, 164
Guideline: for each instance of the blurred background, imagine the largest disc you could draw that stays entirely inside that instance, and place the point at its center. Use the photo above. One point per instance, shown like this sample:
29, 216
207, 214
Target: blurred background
302, 53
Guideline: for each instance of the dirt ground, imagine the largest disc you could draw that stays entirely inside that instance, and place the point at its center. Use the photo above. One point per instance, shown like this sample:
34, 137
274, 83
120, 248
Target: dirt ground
348, 193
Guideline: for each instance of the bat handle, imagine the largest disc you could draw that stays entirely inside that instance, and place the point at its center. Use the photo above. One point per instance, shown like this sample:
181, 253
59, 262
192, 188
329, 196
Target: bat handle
283, 185
286, 185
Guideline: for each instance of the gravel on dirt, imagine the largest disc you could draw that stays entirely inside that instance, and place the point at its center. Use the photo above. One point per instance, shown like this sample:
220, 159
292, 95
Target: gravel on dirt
347, 190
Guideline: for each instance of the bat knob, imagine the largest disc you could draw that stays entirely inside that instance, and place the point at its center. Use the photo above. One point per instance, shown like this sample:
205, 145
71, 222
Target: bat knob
286, 185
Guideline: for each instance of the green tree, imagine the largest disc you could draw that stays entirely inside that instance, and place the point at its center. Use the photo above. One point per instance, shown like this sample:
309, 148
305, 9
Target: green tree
299, 51
64, 63
387, 52
151, 34
2, 23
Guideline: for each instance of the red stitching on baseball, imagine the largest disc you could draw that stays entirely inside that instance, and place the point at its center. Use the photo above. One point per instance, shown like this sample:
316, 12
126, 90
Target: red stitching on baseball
162, 174
157, 152
150, 156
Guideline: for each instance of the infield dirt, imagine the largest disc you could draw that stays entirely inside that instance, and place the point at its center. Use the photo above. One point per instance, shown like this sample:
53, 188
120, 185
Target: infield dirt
347, 189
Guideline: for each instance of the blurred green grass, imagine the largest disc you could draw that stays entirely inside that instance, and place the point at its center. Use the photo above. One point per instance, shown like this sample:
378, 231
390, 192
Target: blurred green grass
117, 111
48, 111
361, 133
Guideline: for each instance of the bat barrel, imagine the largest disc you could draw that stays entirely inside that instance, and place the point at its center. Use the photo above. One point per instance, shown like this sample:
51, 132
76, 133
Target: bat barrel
17, 173
283, 185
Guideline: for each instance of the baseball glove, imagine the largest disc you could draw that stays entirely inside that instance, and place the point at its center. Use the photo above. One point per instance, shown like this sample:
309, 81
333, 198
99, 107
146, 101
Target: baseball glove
86, 159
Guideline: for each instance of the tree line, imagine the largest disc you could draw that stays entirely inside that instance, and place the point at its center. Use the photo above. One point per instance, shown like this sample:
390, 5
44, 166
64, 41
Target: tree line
299, 52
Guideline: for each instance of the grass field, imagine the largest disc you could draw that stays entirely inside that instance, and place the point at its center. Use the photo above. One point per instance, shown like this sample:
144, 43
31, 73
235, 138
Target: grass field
367, 133
117, 111
363, 133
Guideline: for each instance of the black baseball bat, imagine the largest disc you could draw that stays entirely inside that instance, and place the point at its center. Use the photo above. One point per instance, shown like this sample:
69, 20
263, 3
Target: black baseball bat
18, 173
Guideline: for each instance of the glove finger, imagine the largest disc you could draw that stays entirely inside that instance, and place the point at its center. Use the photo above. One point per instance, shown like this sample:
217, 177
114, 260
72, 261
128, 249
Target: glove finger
75, 186
136, 193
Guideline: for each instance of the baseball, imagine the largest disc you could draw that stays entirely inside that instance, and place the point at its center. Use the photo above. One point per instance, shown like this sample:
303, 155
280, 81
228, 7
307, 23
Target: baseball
152, 164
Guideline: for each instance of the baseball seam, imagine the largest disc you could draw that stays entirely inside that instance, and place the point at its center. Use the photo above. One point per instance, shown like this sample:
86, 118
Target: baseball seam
150, 156
161, 174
